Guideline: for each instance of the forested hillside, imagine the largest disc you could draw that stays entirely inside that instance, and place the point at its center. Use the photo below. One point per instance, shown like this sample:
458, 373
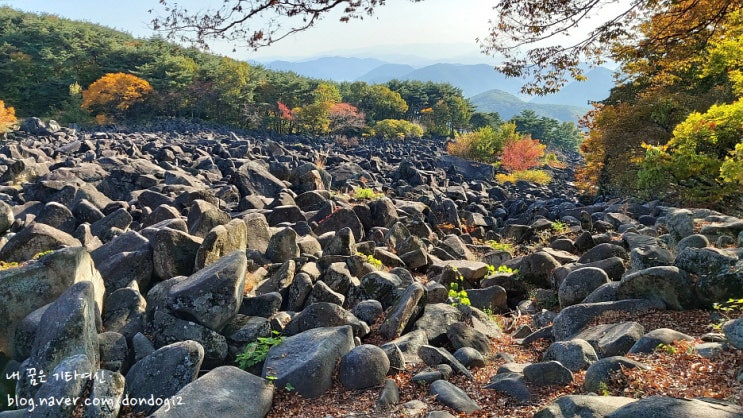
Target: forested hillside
85, 73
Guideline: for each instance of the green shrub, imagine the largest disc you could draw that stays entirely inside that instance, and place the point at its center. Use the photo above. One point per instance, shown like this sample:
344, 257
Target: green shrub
500, 246
485, 144
374, 261
365, 193
559, 226
532, 176
397, 129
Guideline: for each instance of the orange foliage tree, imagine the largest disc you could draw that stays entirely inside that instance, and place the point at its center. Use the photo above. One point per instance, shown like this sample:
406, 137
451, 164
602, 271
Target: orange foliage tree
522, 154
346, 118
115, 94
7, 117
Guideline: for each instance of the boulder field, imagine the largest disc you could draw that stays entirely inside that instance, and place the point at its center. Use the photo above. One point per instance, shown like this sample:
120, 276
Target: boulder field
137, 267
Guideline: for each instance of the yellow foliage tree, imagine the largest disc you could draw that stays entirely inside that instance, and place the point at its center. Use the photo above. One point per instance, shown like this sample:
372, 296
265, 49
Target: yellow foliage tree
7, 118
114, 94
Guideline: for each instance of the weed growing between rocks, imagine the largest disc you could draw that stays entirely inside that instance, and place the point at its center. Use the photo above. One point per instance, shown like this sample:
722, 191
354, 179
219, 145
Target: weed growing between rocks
255, 352
457, 293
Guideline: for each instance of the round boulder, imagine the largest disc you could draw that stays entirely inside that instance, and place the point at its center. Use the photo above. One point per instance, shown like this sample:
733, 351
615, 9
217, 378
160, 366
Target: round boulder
580, 283
363, 367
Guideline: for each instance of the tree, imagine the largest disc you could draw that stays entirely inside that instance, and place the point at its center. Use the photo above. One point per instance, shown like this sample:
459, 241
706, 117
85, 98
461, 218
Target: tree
668, 83
563, 136
170, 75
346, 119
7, 118
522, 154
234, 86
701, 163
482, 119
376, 101
315, 117
114, 95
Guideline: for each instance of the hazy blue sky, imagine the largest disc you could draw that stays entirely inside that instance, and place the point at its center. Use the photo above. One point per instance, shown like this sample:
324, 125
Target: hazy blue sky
452, 25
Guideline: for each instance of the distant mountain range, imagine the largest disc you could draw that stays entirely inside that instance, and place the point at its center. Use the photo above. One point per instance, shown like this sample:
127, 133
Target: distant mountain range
487, 89
507, 105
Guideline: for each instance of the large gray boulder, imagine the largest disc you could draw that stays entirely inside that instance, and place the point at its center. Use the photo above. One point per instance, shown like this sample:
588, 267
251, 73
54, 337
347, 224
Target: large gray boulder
600, 372
58, 216
453, 397
75, 365
649, 256
434, 356
341, 218
203, 216
602, 252
124, 312
666, 284
667, 407
258, 232
650, 341
253, 178
733, 330
126, 258
574, 318
307, 360
111, 225
409, 344
363, 367
613, 266
381, 285
163, 373
34, 239
325, 314
29, 287
720, 287
6, 217
461, 335
110, 386
167, 329
548, 373
612, 339
583, 406
537, 268
512, 384
436, 320
680, 223
223, 392
67, 328
211, 296
174, 253
575, 354
282, 246
580, 283
705, 261
222, 240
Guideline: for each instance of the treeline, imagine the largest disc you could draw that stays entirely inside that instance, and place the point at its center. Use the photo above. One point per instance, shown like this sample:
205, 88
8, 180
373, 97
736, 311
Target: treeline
85, 73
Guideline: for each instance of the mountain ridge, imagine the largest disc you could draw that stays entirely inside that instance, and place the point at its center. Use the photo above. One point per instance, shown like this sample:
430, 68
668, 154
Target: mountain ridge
473, 79
508, 106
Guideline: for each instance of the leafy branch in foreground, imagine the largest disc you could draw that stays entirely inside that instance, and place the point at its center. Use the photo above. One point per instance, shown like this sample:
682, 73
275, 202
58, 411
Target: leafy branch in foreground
257, 23
522, 29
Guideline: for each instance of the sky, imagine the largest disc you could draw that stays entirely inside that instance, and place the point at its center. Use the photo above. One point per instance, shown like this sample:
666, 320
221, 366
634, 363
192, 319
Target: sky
433, 29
